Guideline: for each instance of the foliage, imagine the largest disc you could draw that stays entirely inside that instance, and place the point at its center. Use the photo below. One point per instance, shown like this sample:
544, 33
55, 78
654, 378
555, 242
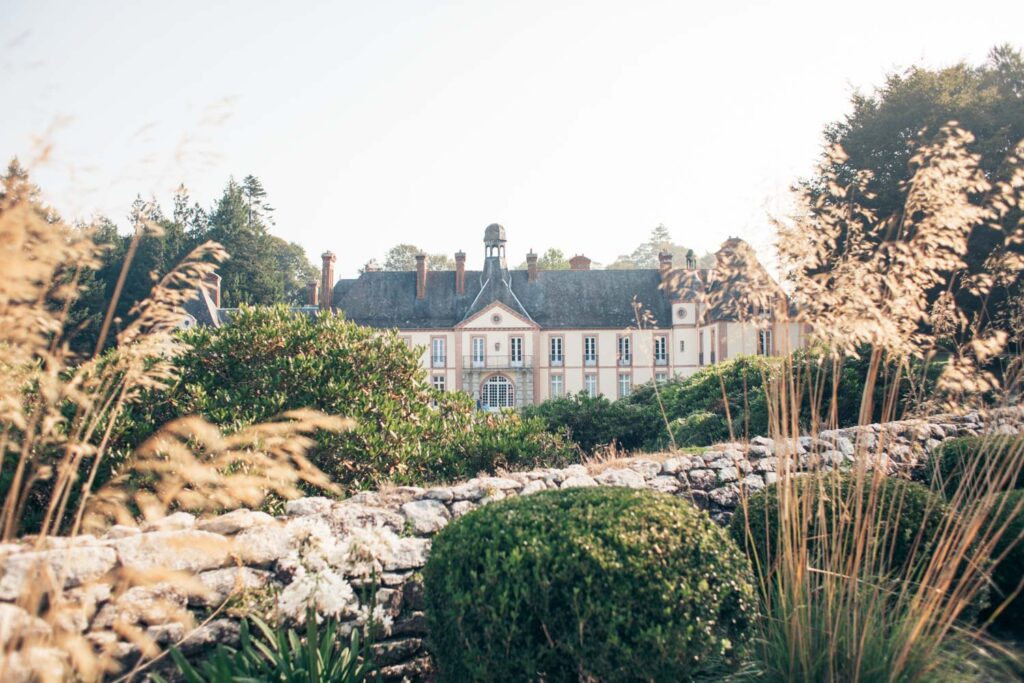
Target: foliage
270, 360
881, 141
403, 257
551, 259
699, 429
58, 408
646, 254
591, 422
908, 519
964, 460
1009, 561
283, 655
586, 584
264, 268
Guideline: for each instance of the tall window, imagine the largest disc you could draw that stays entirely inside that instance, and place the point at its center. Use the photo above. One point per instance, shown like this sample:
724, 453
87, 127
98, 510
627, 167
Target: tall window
556, 350
438, 382
515, 351
590, 350
682, 346
437, 354
625, 356
498, 392
712, 354
590, 384
661, 350
478, 352
557, 386
764, 342
625, 384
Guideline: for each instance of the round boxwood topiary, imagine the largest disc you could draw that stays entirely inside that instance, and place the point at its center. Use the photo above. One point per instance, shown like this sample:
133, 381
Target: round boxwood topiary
965, 455
907, 517
1007, 573
598, 583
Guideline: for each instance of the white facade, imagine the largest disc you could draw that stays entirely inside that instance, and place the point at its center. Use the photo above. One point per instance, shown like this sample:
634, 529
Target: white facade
494, 349
538, 372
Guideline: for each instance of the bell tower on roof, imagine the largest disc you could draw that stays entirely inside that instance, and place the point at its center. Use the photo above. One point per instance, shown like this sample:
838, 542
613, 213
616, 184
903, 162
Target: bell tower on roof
494, 243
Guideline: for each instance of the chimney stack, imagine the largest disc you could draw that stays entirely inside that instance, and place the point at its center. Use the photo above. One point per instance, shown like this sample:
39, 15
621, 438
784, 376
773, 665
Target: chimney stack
531, 267
211, 283
579, 262
691, 260
421, 275
327, 280
314, 293
664, 263
460, 272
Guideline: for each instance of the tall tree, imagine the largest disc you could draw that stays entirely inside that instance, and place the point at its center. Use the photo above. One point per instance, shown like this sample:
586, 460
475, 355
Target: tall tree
646, 254
403, 257
886, 128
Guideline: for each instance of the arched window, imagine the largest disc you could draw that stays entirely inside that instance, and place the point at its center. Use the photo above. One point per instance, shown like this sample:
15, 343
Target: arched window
498, 392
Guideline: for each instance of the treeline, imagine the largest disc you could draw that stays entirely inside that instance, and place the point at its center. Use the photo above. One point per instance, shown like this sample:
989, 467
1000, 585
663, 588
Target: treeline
263, 268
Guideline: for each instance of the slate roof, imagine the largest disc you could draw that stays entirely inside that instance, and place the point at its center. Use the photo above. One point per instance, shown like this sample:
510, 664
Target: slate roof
201, 308
558, 299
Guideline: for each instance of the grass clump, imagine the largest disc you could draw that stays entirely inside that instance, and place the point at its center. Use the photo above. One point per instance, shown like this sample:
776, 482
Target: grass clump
906, 518
587, 584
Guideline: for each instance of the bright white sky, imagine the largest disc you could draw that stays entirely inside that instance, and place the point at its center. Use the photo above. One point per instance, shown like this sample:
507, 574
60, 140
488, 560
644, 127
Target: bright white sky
578, 125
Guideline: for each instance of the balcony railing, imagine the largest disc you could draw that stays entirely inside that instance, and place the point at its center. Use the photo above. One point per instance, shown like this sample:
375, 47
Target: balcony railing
661, 360
497, 362
437, 361
625, 361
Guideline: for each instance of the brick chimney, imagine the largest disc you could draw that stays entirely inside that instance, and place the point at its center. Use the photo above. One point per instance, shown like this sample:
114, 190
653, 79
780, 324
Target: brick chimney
327, 280
421, 275
211, 283
579, 262
531, 267
460, 272
313, 296
664, 263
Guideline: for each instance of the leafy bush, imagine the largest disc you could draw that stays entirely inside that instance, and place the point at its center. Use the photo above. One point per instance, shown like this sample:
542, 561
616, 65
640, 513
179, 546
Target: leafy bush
729, 401
976, 459
284, 656
1007, 573
700, 429
270, 360
586, 584
593, 422
907, 520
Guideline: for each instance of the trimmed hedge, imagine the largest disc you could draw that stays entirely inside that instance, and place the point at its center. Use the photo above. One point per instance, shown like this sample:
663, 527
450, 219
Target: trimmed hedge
907, 516
601, 583
1006, 575
958, 457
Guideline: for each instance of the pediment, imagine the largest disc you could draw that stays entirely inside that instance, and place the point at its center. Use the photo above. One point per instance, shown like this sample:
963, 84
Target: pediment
497, 316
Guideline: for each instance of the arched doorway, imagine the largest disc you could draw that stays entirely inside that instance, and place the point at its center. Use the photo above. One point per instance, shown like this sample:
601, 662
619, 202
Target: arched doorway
497, 392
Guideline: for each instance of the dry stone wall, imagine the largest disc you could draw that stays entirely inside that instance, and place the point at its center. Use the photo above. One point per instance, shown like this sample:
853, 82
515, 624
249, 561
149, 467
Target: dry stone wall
244, 550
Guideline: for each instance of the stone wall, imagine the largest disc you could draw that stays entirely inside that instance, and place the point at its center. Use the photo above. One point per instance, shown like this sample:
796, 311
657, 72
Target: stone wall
245, 549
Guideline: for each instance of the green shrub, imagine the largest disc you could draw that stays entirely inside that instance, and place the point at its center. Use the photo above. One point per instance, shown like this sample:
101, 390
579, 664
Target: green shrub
1007, 573
700, 429
284, 656
586, 584
595, 422
978, 457
908, 519
269, 360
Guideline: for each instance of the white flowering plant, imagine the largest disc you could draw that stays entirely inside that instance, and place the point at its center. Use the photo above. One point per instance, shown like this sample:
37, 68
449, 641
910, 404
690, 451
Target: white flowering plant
320, 566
